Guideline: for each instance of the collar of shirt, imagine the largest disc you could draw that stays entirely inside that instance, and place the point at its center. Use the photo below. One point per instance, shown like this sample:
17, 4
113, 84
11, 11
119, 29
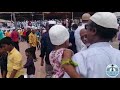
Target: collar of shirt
12, 51
33, 33
84, 23
100, 44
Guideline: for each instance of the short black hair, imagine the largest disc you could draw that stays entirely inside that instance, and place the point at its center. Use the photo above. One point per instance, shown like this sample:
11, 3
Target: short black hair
74, 26
29, 50
6, 40
103, 32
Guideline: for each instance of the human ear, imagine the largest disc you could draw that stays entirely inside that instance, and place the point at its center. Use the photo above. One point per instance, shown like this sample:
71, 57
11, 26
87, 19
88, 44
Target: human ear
94, 31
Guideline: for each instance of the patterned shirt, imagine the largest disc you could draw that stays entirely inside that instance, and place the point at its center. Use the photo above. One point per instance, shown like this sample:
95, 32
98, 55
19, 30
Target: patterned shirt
55, 60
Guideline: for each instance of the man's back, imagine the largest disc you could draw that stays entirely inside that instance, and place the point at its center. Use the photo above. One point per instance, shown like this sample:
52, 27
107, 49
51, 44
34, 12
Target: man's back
94, 61
33, 39
46, 47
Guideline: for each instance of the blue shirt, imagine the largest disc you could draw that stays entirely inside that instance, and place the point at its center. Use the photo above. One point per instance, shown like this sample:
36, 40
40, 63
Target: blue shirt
72, 41
46, 47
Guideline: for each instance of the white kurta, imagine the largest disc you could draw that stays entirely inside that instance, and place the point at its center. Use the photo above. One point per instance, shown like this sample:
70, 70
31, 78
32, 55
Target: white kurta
78, 41
93, 61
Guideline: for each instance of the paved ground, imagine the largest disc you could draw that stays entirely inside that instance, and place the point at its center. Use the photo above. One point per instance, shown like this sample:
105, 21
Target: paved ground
40, 70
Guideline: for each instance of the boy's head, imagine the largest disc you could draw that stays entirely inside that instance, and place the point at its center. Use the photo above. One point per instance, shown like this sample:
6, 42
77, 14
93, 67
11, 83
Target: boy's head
28, 51
59, 35
7, 44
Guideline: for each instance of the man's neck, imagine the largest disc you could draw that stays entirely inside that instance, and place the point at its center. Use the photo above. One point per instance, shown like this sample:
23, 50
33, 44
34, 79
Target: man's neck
98, 39
58, 47
11, 49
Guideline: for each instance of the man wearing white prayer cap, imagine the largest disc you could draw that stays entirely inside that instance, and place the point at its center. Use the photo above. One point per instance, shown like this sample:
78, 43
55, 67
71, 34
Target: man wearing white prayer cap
46, 48
78, 41
100, 60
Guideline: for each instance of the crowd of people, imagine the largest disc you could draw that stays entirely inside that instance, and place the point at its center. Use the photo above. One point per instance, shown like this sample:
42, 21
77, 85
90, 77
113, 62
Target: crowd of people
69, 49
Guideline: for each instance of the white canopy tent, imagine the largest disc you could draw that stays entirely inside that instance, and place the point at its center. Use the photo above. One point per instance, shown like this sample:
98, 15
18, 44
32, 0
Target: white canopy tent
4, 21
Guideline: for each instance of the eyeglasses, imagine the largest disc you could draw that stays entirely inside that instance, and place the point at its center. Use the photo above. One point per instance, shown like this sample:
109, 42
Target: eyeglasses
87, 27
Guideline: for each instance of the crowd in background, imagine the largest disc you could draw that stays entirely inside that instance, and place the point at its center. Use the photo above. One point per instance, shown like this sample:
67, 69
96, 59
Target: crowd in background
66, 46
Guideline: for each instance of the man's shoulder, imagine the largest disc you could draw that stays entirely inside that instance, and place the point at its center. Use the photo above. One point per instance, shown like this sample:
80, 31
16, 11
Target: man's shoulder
100, 51
45, 34
30, 34
116, 51
16, 53
77, 54
86, 52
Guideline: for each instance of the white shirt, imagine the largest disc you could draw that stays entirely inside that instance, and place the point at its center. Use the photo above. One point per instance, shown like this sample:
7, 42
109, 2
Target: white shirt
78, 41
93, 61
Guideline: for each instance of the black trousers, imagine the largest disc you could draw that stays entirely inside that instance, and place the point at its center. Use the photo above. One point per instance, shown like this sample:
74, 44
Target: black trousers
16, 44
33, 52
119, 46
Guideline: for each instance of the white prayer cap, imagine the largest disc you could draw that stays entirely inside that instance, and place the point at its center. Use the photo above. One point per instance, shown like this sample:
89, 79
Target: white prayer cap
58, 34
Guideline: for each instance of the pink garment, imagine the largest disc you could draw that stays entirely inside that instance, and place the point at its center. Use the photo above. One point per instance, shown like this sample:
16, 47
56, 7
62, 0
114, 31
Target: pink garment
55, 60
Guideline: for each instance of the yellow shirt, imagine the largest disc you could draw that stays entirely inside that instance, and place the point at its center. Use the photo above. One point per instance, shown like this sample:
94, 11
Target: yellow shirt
21, 32
15, 62
33, 40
